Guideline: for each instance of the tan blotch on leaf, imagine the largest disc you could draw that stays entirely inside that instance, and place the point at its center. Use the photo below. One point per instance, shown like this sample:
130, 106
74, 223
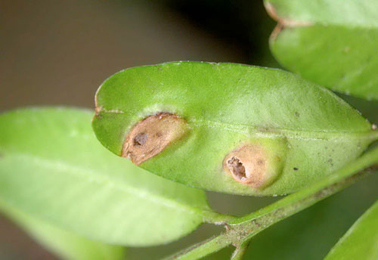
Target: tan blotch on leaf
151, 135
248, 165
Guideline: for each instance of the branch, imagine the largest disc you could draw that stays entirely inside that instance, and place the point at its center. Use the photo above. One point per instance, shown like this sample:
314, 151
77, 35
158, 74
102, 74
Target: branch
240, 251
240, 230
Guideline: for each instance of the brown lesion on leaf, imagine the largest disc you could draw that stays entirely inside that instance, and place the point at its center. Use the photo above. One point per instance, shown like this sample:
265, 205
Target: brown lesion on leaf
97, 112
152, 135
248, 165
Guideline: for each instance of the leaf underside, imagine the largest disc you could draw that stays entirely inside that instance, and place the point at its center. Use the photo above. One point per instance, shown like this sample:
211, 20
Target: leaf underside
361, 240
63, 243
330, 42
53, 169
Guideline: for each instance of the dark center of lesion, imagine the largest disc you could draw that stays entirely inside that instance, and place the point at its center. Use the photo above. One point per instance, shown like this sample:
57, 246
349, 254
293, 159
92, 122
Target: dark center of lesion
140, 139
237, 168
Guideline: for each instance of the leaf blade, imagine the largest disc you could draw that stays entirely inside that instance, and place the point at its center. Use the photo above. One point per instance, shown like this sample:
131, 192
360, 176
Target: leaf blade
361, 240
331, 43
54, 168
224, 106
65, 244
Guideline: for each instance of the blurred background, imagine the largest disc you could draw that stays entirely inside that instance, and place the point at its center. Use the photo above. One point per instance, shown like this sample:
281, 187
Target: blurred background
55, 52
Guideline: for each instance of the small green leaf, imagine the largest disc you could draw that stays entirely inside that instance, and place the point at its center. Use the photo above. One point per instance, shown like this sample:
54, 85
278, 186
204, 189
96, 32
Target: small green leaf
330, 42
361, 240
228, 127
53, 168
63, 243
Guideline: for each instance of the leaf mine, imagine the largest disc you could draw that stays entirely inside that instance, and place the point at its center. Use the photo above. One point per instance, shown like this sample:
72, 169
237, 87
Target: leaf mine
248, 165
152, 135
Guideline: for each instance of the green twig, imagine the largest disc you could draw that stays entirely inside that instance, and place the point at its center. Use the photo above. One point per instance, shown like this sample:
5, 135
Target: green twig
240, 251
240, 230
202, 249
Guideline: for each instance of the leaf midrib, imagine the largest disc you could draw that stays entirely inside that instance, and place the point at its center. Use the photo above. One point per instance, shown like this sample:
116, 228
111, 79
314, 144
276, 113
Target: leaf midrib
302, 134
299, 24
293, 22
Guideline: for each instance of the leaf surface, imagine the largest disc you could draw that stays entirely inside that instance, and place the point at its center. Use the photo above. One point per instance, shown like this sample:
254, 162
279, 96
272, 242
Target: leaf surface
63, 243
53, 168
361, 240
286, 132
330, 42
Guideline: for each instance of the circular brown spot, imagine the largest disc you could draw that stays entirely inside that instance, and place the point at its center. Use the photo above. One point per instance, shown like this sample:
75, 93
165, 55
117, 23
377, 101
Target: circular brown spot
247, 165
152, 135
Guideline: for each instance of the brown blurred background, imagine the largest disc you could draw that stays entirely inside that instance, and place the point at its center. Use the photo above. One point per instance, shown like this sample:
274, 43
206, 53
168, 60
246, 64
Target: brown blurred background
57, 52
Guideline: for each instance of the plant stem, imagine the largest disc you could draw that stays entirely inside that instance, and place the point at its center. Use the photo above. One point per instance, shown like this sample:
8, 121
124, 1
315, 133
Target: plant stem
240, 230
202, 249
240, 251
212, 217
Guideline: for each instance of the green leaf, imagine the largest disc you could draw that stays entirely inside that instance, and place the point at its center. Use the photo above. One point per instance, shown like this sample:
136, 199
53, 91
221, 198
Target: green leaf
330, 42
63, 243
53, 168
201, 123
361, 240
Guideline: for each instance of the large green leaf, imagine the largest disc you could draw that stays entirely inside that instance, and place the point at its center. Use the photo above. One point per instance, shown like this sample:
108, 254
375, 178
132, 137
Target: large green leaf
361, 240
63, 243
53, 168
331, 42
219, 118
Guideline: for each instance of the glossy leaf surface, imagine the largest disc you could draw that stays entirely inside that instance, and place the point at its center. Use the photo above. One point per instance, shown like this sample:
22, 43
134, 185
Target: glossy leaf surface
53, 168
286, 131
64, 244
330, 42
361, 240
